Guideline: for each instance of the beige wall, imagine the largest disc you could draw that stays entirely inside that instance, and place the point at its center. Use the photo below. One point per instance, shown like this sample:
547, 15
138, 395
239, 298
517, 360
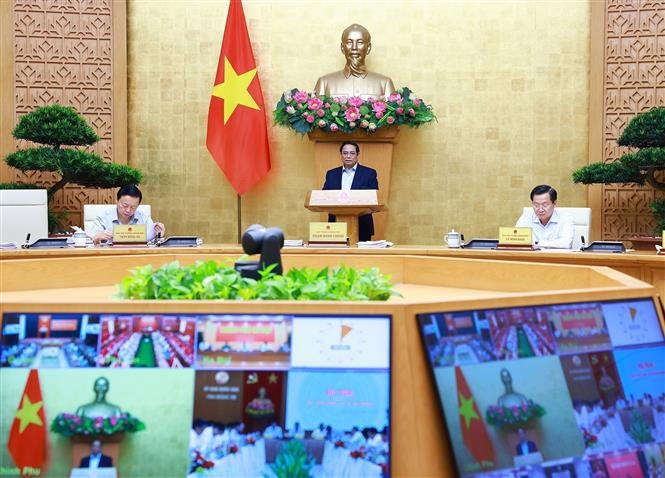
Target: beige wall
509, 81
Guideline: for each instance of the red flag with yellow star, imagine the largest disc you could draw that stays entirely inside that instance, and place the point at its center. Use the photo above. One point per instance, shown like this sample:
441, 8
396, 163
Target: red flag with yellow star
474, 431
27, 436
237, 134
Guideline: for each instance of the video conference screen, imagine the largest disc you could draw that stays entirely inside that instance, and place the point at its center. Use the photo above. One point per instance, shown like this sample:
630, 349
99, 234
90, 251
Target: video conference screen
224, 395
555, 391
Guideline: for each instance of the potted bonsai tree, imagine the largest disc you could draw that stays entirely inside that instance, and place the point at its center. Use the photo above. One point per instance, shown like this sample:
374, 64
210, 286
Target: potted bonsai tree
645, 131
59, 129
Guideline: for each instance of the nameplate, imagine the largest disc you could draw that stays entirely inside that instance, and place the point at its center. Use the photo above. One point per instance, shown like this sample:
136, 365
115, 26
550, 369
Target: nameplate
605, 246
515, 236
343, 197
322, 232
129, 234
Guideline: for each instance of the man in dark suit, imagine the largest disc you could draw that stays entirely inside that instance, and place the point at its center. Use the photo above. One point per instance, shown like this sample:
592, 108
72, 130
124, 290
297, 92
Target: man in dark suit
525, 446
96, 459
352, 175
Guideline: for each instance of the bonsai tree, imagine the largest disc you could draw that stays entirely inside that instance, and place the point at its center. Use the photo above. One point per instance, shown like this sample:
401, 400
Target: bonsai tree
647, 132
55, 126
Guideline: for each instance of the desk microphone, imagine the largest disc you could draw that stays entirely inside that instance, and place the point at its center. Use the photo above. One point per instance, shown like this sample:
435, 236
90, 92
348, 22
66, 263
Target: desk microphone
583, 243
27, 241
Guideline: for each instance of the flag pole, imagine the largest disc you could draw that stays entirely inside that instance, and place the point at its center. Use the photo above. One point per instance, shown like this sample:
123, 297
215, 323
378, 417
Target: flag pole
239, 207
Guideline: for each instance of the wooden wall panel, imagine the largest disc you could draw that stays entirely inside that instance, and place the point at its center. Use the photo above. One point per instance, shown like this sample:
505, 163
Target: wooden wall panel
71, 52
633, 82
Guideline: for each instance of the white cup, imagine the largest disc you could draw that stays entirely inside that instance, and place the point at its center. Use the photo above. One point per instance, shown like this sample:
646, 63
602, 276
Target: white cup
453, 239
80, 239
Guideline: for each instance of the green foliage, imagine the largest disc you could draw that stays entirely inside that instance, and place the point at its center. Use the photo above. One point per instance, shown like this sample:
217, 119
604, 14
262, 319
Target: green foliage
55, 125
70, 424
645, 130
639, 430
211, 280
658, 210
615, 172
20, 186
293, 461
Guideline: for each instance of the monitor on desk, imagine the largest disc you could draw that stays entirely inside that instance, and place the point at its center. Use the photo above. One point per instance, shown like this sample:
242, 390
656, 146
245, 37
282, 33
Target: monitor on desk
552, 390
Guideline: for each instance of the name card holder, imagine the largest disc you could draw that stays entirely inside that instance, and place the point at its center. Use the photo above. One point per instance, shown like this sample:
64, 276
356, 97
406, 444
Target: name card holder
481, 244
181, 241
515, 238
47, 243
605, 246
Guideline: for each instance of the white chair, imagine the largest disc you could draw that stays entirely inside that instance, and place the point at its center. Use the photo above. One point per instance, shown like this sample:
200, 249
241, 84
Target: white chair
581, 221
23, 212
91, 211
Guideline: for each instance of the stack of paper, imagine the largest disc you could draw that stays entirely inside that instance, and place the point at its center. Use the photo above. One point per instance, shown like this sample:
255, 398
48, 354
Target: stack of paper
292, 242
374, 244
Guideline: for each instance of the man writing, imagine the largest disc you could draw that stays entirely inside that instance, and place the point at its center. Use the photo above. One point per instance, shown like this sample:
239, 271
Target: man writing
551, 230
355, 79
96, 459
126, 212
352, 175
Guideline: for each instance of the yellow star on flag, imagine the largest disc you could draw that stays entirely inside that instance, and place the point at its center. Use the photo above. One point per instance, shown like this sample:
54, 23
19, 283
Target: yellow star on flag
272, 378
28, 413
234, 90
466, 409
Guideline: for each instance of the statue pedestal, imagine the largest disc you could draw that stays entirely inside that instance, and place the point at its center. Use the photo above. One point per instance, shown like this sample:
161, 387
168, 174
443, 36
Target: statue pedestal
376, 151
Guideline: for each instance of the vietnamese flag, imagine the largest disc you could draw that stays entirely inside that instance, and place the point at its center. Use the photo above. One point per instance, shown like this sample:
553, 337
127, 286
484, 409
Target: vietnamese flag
474, 431
27, 436
237, 136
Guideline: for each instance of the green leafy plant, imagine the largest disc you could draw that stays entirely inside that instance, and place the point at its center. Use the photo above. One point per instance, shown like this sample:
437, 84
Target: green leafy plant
512, 418
293, 461
69, 424
61, 128
647, 132
639, 430
212, 280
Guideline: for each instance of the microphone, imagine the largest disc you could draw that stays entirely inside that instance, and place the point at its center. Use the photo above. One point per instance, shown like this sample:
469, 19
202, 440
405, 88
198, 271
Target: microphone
583, 243
27, 241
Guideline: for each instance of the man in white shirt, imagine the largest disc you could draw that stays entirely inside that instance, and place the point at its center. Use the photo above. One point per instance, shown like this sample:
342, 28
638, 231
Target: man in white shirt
273, 431
551, 230
129, 198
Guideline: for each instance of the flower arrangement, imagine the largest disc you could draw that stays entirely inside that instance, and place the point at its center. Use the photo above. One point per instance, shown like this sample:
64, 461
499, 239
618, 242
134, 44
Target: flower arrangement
513, 417
200, 464
260, 408
69, 424
590, 439
233, 448
303, 112
359, 453
339, 444
251, 440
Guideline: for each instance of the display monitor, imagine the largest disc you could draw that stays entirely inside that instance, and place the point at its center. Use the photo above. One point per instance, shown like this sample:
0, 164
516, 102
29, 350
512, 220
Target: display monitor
566, 391
225, 394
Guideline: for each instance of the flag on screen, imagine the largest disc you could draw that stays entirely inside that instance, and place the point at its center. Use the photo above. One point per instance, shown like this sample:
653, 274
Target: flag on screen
474, 431
237, 135
27, 436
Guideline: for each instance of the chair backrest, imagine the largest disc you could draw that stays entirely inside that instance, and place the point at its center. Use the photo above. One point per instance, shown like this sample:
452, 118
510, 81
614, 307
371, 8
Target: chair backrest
23, 212
581, 221
91, 211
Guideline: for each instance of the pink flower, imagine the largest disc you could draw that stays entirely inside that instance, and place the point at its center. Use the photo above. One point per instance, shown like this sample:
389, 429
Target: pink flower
379, 106
390, 119
287, 96
356, 101
372, 126
309, 119
364, 124
400, 101
411, 112
352, 124
314, 104
352, 114
417, 101
301, 96
342, 100
399, 111
394, 96
290, 109
322, 124
378, 115
333, 127
320, 113
113, 420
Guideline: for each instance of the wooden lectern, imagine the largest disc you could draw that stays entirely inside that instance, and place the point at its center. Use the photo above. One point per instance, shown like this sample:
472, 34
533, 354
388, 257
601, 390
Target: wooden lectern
346, 205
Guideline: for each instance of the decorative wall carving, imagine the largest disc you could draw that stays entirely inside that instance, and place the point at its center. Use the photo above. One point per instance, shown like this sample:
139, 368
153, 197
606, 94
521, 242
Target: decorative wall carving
63, 53
634, 82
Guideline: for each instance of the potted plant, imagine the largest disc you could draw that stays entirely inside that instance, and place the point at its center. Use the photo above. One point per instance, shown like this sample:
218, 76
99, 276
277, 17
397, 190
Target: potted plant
645, 131
59, 129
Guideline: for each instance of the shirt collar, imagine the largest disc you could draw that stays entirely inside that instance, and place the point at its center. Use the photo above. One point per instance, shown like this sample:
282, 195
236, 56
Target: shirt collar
554, 218
352, 170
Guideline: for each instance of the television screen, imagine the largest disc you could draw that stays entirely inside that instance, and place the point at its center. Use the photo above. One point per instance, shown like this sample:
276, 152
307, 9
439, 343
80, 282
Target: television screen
226, 394
572, 390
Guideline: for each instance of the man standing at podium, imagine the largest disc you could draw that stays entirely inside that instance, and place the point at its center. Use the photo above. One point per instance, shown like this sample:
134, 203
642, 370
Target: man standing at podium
352, 175
96, 459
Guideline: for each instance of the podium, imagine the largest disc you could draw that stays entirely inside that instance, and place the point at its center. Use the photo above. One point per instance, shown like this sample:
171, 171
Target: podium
93, 473
346, 205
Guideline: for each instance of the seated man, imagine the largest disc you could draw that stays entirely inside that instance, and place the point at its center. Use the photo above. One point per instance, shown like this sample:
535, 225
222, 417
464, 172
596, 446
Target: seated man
352, 175
551, 230
96, 459
525, 446
129, 199
273, 431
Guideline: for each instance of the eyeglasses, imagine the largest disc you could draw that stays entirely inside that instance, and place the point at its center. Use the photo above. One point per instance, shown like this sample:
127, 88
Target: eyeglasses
543, 205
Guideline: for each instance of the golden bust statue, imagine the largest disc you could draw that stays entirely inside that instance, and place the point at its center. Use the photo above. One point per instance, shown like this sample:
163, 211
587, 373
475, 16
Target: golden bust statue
99, 407
510, 398
354, 79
